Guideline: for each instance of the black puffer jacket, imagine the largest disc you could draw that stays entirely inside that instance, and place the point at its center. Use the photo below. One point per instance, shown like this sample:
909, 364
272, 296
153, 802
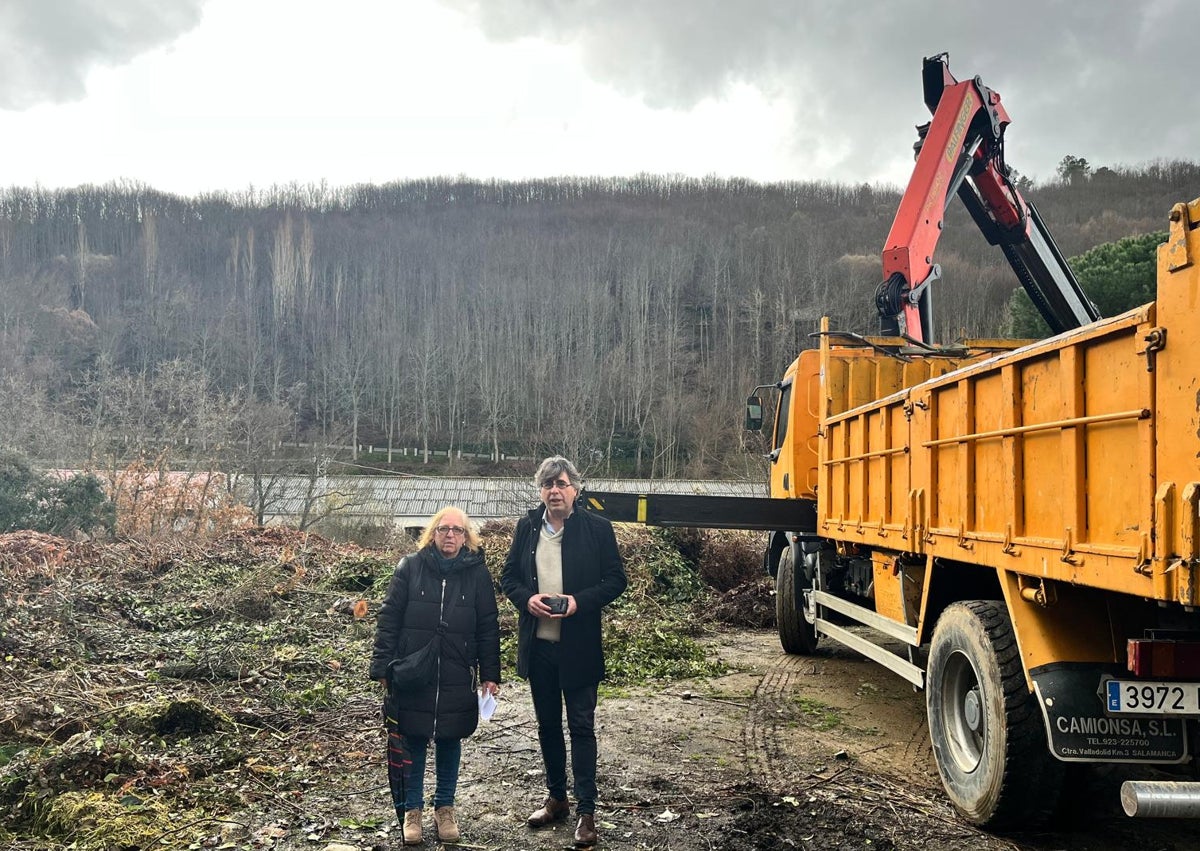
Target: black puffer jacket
418, 597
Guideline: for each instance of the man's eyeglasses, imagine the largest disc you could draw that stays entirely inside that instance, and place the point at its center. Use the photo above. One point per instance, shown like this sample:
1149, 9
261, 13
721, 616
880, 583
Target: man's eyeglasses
450, 530
561, 484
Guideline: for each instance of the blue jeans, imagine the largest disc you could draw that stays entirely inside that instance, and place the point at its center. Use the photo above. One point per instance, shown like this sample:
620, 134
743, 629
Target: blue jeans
447, 755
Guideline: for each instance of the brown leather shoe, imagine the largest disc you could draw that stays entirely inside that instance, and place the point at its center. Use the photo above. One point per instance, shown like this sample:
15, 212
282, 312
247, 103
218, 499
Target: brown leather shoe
551, 811
585, 831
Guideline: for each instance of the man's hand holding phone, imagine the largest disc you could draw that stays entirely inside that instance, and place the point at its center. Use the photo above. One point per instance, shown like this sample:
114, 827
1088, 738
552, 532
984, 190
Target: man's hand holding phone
551, 605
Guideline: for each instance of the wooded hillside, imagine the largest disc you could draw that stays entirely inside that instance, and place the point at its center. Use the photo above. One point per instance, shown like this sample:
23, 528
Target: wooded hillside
620, 321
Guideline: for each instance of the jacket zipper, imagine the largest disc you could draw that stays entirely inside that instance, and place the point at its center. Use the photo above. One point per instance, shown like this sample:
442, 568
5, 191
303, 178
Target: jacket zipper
437, 691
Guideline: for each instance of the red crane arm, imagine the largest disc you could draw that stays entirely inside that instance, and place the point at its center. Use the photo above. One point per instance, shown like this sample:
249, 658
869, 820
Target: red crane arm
961, 151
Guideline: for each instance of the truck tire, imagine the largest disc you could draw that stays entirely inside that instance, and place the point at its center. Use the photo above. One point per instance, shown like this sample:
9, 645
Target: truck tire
987, 734
797, 633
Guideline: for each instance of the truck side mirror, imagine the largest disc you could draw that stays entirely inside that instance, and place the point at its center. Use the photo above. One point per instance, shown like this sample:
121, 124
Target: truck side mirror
754, 415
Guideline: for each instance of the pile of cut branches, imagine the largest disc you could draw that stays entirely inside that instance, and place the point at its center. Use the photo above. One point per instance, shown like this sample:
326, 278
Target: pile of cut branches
157, 689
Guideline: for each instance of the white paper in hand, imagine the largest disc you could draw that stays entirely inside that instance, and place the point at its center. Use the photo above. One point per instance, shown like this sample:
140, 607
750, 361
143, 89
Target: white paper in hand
487, 705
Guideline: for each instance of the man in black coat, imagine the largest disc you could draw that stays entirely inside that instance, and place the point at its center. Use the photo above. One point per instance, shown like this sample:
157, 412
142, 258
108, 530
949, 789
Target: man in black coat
562, 569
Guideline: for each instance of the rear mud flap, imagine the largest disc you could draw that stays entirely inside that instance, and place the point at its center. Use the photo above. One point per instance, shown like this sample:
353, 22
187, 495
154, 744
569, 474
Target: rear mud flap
1079, 730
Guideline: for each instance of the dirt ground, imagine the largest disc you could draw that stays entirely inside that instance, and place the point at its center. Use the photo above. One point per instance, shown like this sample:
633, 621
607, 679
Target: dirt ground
781, 753
784, 752
236, 716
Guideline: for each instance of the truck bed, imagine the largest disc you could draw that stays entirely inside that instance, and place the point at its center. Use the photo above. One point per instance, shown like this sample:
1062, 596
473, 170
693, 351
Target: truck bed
1075, 459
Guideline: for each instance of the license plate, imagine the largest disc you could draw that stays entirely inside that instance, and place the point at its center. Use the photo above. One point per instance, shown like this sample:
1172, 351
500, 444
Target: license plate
1142, 697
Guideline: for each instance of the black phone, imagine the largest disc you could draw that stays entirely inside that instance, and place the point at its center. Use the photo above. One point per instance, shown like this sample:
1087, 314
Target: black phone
557, 605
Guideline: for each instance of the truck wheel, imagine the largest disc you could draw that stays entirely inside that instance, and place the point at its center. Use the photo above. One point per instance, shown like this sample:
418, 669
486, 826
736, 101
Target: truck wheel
984, 725
794, 612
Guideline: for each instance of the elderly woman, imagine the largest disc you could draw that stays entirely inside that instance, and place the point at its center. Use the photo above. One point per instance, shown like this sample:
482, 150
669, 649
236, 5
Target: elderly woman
442, 589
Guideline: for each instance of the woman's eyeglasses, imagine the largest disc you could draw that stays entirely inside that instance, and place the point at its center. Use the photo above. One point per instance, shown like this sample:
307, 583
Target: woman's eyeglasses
450, 530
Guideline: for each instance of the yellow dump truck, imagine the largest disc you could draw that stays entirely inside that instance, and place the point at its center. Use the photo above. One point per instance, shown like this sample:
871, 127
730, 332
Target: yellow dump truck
1024, 525
1012, 527
1014, 531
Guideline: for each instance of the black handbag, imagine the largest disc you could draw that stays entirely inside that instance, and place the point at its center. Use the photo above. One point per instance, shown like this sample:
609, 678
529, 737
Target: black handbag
419, 668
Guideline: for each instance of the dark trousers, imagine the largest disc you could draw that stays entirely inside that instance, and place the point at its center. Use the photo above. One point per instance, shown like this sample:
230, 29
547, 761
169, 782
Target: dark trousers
548, 700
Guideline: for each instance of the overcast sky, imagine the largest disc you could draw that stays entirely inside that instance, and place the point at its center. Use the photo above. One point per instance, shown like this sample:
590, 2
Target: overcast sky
189, 96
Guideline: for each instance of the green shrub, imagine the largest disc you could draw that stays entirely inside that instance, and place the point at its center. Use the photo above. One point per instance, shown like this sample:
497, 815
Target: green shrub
32, 500
638, 649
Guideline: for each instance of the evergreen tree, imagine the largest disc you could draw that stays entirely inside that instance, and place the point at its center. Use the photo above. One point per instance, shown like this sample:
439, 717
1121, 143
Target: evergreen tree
1073, 169
1117, 276
32, 500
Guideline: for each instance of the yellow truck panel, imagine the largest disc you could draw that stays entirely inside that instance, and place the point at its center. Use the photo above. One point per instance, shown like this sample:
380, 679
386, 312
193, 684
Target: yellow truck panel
1038, 461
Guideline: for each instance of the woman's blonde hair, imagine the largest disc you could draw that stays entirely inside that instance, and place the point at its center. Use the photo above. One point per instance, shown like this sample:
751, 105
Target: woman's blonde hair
471, 541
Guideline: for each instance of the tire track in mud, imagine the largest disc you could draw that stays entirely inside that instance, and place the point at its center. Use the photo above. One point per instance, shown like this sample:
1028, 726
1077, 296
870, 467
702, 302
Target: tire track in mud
782, 736
770, 719
918, 752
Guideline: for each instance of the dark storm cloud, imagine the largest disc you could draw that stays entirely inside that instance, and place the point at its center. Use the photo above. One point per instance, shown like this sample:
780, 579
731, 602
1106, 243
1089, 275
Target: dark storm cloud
1107, 80
47, 47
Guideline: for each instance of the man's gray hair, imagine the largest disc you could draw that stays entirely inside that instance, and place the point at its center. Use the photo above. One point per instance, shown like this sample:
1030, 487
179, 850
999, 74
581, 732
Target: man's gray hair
556, 466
